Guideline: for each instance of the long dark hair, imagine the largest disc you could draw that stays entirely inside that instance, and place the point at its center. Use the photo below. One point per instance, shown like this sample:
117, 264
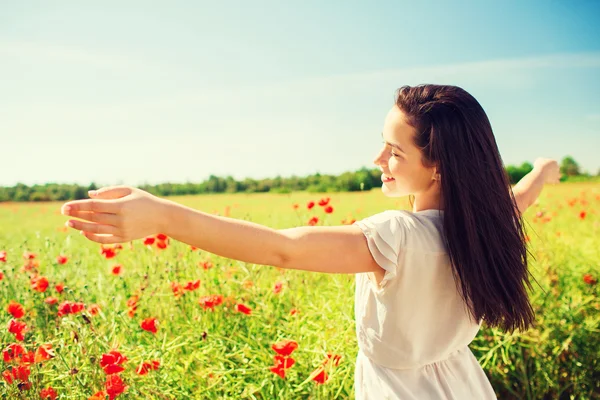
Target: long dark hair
483, 228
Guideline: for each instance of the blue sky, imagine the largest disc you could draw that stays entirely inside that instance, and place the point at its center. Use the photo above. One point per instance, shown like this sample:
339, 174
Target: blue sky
133, 92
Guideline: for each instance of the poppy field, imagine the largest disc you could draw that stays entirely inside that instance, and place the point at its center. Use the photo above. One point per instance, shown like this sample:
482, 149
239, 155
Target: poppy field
160, 319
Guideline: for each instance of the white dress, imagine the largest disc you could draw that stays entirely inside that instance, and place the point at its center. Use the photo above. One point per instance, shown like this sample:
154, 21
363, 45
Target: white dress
413, 329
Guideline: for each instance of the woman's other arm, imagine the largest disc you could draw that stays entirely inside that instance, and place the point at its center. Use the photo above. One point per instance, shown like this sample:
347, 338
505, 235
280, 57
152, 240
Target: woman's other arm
528, 189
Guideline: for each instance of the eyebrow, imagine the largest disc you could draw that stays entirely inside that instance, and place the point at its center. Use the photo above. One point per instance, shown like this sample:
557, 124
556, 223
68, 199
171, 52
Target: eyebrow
394, 145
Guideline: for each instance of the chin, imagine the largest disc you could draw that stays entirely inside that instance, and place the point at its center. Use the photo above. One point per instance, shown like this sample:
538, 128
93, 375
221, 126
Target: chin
393, 192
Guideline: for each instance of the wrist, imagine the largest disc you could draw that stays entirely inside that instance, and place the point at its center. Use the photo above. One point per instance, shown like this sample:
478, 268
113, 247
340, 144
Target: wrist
164, 214
539, 173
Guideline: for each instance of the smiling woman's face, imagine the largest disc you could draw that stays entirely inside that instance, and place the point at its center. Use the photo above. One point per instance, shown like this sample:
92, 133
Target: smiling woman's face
400, 160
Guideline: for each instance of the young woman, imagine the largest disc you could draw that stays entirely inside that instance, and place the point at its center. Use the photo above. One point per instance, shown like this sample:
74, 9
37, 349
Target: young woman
426, 279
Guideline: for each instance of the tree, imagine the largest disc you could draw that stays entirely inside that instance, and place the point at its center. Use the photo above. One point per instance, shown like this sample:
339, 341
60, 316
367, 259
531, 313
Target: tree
569, 166
515, 174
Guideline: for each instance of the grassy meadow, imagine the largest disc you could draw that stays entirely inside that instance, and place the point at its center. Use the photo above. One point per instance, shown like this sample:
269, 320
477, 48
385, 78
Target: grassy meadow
135, 323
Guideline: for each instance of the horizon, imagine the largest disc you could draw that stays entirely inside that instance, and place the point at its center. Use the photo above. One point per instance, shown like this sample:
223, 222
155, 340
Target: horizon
105, 184
181, 92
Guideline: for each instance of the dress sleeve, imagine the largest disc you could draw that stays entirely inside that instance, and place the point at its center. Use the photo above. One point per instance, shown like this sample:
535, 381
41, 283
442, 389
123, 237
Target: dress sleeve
385, 235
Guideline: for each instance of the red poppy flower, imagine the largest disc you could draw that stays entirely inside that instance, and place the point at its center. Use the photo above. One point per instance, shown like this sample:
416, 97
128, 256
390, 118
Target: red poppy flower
29, 255
62, 260
147, 366
279, 371
51, 300
284, 362
324, 201
192, 285
293, 311
211, 301
77, 307
113, 369
243, 309
313, 221
39, 283
114, 385
31, 265
162, 237
3, 255
20, 373
277, 288
116, 269
285, 347
93, 309
150, 325
101, 395
132, 301
310, 205
582, 215
44, 352
15, 309
207, 265
28, 358
7, 375
161, 245
176, 289
68, 307
328, 209
149, 241
112, 357
48, 393
60, 287
319, 375
64, 308
13, 352
17, 328
335, 359
132, 305
295, 206
107, 252
1, 275
589, 279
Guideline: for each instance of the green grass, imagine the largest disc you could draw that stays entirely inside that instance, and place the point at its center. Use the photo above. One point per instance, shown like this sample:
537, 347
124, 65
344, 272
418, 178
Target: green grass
226, 354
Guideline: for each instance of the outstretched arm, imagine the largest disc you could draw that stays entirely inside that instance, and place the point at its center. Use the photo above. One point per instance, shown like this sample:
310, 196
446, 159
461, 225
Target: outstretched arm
528, 189
330, 249
122, 214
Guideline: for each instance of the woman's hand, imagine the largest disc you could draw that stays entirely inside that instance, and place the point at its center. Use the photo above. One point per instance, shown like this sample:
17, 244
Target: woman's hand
117, 214
549, 169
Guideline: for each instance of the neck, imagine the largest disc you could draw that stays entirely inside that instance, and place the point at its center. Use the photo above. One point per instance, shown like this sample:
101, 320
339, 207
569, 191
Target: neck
429, 199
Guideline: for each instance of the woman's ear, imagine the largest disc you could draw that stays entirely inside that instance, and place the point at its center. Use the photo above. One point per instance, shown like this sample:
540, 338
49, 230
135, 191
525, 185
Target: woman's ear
436, 175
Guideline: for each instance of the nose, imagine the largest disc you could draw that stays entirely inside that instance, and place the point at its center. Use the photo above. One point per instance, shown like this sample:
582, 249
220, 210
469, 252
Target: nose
380, 158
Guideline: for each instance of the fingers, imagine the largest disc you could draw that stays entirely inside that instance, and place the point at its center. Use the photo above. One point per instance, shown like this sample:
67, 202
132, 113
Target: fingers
93, 205
108, 239
111, 192
92, 228
100, 218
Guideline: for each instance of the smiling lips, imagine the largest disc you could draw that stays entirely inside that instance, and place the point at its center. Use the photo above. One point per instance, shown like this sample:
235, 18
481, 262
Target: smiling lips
385, 178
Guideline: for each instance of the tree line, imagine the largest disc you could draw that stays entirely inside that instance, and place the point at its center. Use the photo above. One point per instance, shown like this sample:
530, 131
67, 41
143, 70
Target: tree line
362, 179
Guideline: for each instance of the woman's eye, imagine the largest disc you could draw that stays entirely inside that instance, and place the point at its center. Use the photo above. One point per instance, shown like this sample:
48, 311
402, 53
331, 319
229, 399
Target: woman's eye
391, 152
